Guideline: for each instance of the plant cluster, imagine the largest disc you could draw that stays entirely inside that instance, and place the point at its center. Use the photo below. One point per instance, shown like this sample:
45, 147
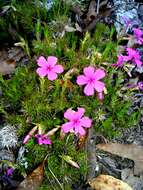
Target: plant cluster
39, 99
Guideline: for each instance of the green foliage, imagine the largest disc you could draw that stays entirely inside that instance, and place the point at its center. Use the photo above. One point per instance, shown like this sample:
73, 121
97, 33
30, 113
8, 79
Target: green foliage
58, 169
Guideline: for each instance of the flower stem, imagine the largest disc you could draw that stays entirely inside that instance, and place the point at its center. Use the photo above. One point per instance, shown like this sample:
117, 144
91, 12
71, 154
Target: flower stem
62, 94
42, 82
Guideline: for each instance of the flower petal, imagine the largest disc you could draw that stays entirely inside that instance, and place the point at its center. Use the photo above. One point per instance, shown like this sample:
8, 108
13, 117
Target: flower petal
69, 114
42, 72
42, 61
138, 34
52, 75
99, 86
67, 127
140, 41
88, 71
9, 171
80, 112
58, 69
89, 90
52, 60
120, 61
40, 141
133, 54
116, 65
86, 122
81, 80
140, 85
79, 130
99, 74
138, 63
46, 141
127, 58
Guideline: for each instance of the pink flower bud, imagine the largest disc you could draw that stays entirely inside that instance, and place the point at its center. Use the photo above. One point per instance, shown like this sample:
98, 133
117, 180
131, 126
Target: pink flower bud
32, 131
100, 96
52, 131
26, 139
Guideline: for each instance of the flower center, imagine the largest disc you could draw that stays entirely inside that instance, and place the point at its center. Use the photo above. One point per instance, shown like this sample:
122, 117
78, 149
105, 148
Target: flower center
76, 121
91, 80
49, 68
39, 136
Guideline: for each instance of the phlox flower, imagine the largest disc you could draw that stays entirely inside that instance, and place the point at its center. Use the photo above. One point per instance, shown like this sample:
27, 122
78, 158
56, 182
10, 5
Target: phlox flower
42, 139
138, 34
120, 61
77, 122
134, 56
90, 79
49, 67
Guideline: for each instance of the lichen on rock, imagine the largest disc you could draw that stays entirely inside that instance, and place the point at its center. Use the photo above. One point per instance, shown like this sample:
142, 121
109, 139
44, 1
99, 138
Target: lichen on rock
8, 137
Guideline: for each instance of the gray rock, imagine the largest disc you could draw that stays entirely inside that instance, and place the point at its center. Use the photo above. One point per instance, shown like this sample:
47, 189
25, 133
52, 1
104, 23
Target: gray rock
7, 155
108, 166
126, 12
132, 135
135, 182
140, 12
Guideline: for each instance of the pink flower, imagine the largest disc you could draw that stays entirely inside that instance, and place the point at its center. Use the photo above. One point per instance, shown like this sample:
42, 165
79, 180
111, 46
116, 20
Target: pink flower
138, 34
91, 79
48, 67
77, 122
120, 61
133, 55
42, 139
